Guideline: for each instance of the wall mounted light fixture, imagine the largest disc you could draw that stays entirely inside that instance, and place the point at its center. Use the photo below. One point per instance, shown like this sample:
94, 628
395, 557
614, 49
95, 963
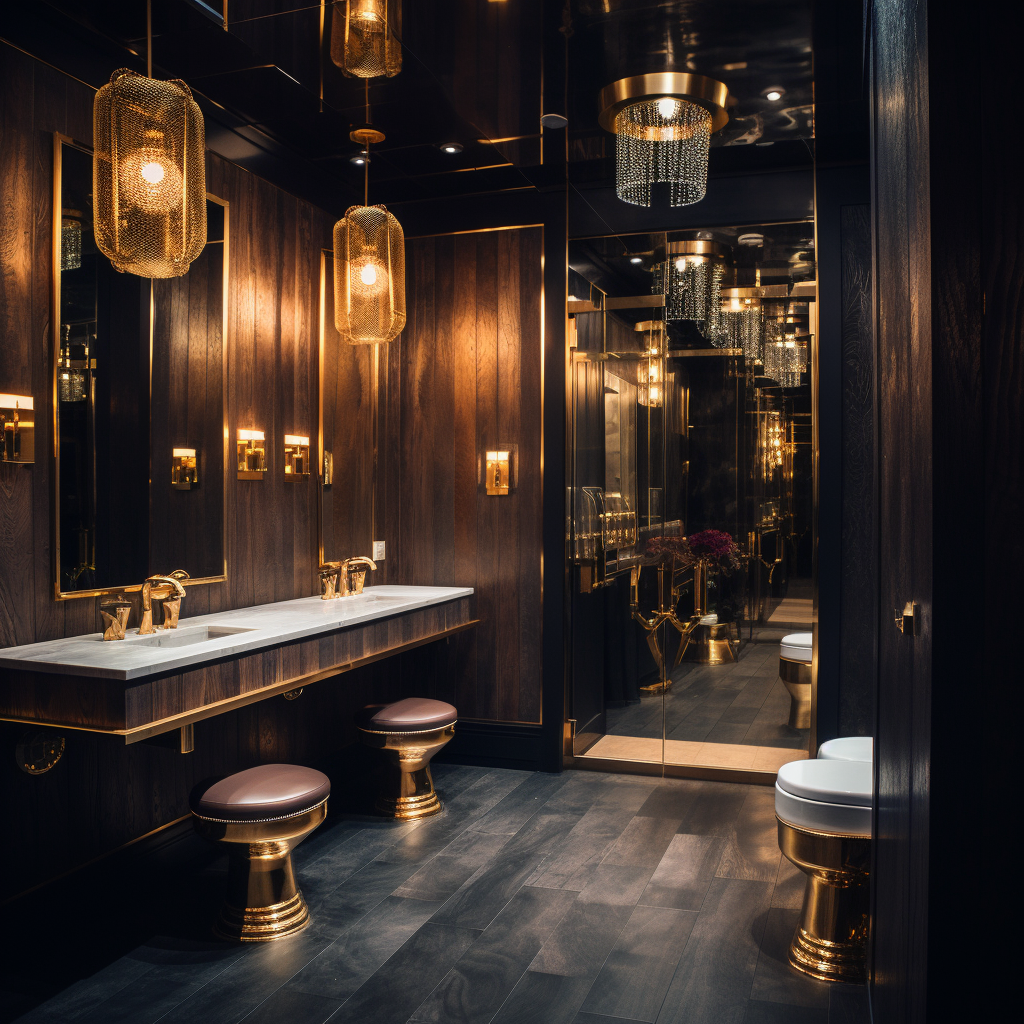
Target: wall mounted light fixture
500, 469
17, 434
252, 454
296, 456
663, 124
184, 469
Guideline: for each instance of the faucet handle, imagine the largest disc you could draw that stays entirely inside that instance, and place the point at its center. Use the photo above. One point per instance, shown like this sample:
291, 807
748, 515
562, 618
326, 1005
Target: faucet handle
115, 611
328, 573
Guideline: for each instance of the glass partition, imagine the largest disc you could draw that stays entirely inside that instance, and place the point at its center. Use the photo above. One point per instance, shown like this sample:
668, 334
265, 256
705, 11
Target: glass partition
690, 496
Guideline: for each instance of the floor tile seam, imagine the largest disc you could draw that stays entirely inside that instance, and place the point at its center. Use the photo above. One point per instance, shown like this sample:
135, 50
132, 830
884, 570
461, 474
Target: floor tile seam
99, 1003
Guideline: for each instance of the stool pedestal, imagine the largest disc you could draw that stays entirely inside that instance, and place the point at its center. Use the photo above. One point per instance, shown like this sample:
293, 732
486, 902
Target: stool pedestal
262, 901
406, 788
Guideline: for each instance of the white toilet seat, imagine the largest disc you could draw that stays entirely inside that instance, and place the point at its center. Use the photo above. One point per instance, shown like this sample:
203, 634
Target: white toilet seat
797, 647
826, 796
848, 748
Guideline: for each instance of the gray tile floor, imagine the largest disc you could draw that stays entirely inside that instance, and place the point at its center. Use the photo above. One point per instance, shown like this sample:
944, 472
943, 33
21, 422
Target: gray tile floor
742, 702
579, 898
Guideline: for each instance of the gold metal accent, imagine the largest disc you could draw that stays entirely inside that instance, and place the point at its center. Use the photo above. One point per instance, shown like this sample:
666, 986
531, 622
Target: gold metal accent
184, 469
262, 902
292, 694
36, 753
365, 37
251, 446
705, 92
187, 738
328, 472
149, 175
328, 572
831, 939
167, 589
407, 789
296, 456
666, 613
699, 247
17, 434
352, 575
367, 135
796, 677
115, 611
59, 142
908, 621
369, 276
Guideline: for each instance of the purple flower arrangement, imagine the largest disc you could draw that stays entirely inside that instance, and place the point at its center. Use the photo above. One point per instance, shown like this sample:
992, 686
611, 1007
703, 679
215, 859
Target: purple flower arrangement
669, 549
717, 550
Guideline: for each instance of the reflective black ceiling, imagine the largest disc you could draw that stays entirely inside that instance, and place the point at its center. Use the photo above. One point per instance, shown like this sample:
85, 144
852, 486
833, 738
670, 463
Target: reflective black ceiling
474, 72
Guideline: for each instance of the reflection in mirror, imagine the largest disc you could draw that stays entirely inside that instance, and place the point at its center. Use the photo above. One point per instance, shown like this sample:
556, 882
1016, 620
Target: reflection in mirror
139, 369
348, 419
691, 418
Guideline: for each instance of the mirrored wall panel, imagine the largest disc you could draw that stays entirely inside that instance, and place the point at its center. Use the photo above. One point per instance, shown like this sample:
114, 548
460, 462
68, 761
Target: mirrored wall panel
139, 391
691, 497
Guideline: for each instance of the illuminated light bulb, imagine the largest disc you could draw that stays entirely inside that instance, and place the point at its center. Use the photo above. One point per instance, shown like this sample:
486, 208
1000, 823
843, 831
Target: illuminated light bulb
150, 182
681, 264
372, 276
668, 107
152, 172
774, 95
636, 259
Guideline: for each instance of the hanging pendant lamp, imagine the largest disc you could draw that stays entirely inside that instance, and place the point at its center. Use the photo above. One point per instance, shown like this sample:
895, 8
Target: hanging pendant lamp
742, 323
369, 266
663, 125
364, 38
689, 274
149, 172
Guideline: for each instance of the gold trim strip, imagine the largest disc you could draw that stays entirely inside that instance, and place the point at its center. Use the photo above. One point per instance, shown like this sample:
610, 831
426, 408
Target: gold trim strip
668, 770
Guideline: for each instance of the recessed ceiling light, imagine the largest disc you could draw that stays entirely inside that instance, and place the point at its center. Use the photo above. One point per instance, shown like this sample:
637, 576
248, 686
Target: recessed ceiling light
553, 121
360, 159
775, 93
450, 147
636, 259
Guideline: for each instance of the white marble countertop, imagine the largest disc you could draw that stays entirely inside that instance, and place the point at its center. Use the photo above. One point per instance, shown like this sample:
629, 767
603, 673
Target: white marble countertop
231, 633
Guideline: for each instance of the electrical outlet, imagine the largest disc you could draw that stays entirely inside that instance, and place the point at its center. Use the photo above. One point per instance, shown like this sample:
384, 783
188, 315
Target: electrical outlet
378, 551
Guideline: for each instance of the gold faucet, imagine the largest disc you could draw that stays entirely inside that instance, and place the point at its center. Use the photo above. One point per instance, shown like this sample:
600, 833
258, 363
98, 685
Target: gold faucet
352, 575
329, 580
168, 590
115, 611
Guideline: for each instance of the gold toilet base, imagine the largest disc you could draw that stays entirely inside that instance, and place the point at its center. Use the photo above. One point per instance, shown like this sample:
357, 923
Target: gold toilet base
796, 677
830, 942
407, 788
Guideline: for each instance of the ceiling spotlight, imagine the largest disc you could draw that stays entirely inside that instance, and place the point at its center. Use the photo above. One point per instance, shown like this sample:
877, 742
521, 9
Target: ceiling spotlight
636, 259
450, 147
360, 159
774, 94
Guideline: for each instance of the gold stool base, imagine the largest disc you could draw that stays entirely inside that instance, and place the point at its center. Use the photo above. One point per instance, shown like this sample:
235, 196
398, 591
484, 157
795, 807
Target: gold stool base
796, 677
262, 924
711, 645
406, 788
830, 943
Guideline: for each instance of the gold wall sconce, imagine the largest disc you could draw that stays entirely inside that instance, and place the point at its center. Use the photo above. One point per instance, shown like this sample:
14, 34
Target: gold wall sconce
296, 456
184, 469
252, 454
500, 469
18, 433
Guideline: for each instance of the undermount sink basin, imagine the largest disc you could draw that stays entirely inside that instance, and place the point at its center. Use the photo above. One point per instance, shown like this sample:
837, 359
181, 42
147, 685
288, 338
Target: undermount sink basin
187, 636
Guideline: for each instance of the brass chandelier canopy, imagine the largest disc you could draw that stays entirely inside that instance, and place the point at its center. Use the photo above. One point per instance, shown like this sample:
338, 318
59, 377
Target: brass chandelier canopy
149, 175
365, 37
663, 123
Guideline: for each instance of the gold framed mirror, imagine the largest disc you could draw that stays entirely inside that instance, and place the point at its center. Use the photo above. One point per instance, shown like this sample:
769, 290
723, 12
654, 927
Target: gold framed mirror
350, 386
139, 394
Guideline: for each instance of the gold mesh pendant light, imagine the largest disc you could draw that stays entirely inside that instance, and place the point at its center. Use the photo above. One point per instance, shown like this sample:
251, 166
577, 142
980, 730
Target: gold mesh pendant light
149, 175
364, 37
663, 125
369, 276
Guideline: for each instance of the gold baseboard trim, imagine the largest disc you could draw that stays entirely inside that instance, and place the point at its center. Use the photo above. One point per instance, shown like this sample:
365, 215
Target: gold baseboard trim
143, 732
655, 769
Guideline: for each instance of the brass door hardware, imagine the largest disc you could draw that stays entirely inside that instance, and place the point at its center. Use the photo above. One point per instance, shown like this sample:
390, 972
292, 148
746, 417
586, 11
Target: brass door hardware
908, 621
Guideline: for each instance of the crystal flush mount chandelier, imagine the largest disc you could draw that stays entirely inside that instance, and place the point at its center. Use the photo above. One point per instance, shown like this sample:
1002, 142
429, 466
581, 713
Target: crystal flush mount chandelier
663, 125
149, 175
365, 37
689, 275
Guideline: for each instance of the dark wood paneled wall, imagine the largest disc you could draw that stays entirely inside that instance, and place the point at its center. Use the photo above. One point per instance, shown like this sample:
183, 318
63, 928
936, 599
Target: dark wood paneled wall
948, 229
465, 376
